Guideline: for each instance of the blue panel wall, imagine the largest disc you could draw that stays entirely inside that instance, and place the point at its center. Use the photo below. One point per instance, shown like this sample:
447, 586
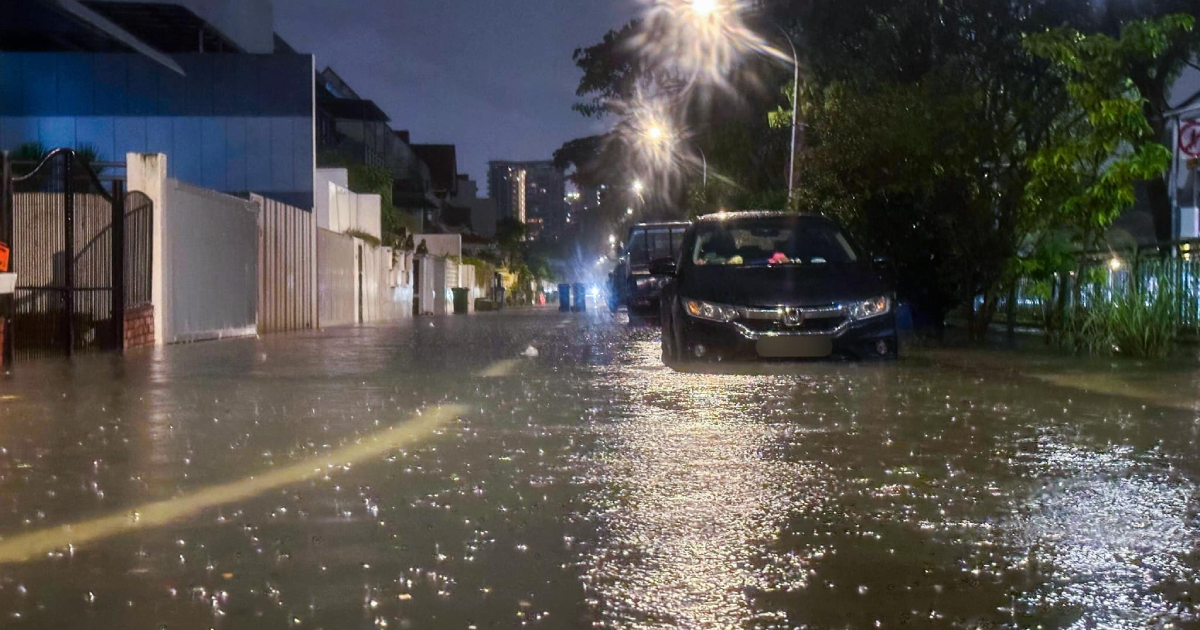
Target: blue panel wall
235, 123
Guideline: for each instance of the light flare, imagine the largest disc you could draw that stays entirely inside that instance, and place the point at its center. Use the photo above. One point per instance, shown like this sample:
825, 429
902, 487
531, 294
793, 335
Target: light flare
700, 40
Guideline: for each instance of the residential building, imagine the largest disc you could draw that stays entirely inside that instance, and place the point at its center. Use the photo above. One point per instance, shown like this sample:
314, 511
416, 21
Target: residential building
506, 186
545, 200
231, 105
542, 196
467, 210
354, 130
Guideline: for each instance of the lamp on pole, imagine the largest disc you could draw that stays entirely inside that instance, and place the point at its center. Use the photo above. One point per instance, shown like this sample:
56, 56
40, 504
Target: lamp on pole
795, 114
716, 20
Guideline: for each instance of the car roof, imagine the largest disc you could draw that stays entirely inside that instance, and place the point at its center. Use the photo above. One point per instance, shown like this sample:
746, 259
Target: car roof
756, 214
663, 224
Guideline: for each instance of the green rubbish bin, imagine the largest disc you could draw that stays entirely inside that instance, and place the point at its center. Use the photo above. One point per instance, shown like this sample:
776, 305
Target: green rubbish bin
461, 300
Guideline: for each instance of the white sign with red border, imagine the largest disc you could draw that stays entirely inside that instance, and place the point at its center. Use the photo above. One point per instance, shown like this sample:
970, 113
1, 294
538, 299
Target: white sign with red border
1189, 138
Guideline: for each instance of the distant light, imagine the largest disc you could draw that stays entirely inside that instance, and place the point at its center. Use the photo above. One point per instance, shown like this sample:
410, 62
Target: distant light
704, 7
1115, 264
612, 239
628, 210
656, 133
638, 186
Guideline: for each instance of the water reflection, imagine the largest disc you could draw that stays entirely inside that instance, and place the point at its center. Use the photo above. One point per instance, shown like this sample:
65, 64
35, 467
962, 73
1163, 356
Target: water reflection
686, 500
1114, 533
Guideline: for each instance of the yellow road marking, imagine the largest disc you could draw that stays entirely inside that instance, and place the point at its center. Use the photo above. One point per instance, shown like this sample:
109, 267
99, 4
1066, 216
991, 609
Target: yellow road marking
35, 544
500, 369
9, 397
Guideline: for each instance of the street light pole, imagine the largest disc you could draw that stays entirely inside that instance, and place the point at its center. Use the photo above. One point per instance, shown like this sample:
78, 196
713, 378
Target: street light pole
795, 114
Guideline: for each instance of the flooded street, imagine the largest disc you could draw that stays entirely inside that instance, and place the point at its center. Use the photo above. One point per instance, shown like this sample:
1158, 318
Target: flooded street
442, 475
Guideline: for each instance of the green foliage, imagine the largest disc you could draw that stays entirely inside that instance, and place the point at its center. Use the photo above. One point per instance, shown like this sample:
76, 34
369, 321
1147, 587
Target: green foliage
369, 239
1084, 177
611, 70
34, 152
1140, 323
904, 167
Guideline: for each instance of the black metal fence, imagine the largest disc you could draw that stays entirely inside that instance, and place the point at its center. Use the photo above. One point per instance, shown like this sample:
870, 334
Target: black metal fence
78, 259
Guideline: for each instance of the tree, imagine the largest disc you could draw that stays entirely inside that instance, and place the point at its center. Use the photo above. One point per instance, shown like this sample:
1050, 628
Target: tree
1154, 76
923, 118
510, 236
1107, 144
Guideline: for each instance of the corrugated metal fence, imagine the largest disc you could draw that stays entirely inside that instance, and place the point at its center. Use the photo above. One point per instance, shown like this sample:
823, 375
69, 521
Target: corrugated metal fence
287, 268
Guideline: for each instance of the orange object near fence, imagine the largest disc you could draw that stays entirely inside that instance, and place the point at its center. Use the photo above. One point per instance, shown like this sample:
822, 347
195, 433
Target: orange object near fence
3, 258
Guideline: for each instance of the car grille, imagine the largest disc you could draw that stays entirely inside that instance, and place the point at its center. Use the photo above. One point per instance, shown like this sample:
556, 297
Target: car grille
815, 321
810, 326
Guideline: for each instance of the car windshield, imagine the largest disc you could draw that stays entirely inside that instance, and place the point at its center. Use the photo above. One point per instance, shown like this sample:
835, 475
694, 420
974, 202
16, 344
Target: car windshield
647, 245
772, 242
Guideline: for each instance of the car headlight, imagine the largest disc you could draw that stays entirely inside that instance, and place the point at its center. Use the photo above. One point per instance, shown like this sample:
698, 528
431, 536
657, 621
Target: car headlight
867, 309
711, 312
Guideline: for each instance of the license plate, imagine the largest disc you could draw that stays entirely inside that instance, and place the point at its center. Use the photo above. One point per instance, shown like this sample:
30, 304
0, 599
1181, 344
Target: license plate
799, 347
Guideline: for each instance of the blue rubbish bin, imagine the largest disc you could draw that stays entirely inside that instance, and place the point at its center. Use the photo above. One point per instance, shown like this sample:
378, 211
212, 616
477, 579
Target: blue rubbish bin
580, 298
564, 297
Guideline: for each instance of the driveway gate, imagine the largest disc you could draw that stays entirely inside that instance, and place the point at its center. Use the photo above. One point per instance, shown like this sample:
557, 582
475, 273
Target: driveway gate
79, 254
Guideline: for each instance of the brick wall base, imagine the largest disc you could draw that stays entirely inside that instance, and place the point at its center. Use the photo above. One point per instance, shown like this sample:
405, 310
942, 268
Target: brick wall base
139, 327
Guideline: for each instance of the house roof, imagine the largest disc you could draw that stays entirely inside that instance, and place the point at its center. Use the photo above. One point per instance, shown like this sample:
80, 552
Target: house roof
442, 160
352, 109
160, 25
53, 25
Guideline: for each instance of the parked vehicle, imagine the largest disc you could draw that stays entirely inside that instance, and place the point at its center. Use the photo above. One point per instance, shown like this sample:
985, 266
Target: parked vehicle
634, 286
777, 286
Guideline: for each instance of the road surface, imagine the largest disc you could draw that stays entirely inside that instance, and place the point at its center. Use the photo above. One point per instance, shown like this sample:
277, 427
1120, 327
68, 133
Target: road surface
438, 475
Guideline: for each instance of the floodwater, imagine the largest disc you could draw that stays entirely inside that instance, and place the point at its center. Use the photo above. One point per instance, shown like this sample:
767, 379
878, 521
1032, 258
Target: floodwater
440, 475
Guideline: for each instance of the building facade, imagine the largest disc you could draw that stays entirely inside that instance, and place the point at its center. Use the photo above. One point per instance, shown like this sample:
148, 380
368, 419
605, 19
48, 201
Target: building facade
534, 193
230, 121
506, 186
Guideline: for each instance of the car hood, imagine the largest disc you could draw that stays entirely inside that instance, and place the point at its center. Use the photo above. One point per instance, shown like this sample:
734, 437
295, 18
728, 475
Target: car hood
784, 285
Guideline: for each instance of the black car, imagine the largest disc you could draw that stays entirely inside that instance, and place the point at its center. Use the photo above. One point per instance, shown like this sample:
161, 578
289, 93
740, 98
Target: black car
633, 285
774, 285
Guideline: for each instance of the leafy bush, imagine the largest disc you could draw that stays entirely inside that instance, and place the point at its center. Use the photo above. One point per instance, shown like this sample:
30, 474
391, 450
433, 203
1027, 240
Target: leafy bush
1136, 322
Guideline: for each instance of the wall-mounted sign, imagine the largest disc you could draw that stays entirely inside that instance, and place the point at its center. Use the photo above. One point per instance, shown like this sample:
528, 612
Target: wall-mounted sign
3, 258
1189, 138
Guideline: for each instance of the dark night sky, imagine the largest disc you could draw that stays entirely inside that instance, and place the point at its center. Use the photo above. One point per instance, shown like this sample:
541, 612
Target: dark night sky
494, 77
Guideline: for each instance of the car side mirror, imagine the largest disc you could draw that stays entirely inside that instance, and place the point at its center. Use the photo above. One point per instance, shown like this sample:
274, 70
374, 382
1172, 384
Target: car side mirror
662, 267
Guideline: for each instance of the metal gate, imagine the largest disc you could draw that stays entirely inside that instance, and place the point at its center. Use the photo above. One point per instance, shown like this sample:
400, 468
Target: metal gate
79, 255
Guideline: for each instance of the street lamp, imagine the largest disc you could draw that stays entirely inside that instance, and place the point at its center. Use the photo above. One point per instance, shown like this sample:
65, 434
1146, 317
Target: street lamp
704, 7
718, 17
638, 186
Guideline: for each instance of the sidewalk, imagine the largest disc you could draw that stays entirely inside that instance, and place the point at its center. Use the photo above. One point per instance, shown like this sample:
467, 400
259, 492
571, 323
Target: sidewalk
1172, 383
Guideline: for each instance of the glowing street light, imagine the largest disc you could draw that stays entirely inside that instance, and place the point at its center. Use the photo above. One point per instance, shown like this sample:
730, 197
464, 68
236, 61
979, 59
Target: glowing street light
638, 186
629, 211
704, 7
716, 35
612, 239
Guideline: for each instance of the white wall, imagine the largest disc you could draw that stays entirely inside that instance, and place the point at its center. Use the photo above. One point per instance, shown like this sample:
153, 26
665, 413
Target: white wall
441, 244
341, 210
211, 264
